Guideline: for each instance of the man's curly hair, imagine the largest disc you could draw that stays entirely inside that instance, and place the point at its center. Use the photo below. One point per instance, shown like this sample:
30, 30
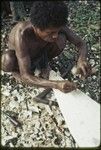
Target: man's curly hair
45, 14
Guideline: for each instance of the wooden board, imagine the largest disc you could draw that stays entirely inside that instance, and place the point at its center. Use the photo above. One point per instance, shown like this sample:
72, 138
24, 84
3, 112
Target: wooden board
81, 113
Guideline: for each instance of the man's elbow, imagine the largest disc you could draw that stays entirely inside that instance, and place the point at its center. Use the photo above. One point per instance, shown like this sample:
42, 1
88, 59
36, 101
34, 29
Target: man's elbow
81, 43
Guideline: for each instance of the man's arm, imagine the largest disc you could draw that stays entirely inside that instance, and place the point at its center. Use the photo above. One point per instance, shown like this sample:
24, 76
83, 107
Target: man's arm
77, 41
82, 64
24, 63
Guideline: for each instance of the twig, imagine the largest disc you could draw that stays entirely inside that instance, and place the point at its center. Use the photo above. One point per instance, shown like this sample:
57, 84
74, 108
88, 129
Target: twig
15, 122
45, 101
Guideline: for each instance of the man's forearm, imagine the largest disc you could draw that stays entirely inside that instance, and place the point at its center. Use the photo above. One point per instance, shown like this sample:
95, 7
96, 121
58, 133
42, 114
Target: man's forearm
83, 51
77, 41
33, 80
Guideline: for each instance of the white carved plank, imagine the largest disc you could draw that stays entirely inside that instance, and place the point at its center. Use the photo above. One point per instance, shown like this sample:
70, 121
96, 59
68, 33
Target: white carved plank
81, 113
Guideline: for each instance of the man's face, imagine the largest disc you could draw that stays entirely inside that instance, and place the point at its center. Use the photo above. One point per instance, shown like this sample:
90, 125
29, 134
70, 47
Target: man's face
48, 35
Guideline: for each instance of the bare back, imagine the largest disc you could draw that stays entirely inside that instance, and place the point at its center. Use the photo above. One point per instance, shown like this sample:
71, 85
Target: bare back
32, 43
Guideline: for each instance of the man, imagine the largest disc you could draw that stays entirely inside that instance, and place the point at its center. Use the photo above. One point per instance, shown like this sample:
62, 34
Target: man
32, 44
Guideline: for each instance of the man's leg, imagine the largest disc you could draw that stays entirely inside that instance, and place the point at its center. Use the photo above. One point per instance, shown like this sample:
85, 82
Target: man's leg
9, 64
44, 65
9, 61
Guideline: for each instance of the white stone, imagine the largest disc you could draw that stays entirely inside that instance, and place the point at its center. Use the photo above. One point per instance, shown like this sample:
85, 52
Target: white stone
6, 93
81, 113
13, 104
34, 109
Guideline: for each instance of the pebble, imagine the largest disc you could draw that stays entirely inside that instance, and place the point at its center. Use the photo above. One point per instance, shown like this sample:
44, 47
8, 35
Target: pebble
2, 72
82, 85
67, 133
37, 124
3, 36
87, 93
13, 104
97, 56
36, 131
6, 93
58, 117
28, 113
94, 77
93, 48
92, 62
34, 109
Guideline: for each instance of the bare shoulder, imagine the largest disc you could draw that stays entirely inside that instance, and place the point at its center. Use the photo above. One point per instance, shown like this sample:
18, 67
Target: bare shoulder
19, 27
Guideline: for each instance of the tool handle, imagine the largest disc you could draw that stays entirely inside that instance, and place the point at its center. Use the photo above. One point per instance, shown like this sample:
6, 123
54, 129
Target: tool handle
44, 93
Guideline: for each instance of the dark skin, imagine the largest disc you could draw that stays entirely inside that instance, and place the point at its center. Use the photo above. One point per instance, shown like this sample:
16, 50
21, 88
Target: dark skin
28, 41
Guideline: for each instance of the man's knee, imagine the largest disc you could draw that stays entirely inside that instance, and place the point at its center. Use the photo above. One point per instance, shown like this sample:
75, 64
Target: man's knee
8, 61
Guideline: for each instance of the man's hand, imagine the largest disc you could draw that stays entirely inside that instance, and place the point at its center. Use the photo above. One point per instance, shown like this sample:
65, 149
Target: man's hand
83, 68
66, 86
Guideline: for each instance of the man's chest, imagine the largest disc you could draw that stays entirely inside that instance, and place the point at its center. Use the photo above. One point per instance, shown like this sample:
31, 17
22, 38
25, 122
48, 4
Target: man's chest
36, 48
